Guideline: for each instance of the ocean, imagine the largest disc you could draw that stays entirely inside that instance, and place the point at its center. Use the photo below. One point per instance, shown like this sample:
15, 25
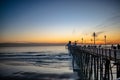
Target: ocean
35, 63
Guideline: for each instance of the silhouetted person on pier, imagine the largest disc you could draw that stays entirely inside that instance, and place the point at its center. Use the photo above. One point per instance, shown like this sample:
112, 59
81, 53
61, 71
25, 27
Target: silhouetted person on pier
75, 44
69, 47
113, 47
118, 46
99, 46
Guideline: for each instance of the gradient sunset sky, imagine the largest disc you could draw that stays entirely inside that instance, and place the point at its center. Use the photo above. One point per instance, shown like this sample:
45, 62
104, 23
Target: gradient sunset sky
58, 21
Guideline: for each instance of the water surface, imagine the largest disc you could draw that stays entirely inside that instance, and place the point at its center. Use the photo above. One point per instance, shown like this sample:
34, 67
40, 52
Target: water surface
35, 62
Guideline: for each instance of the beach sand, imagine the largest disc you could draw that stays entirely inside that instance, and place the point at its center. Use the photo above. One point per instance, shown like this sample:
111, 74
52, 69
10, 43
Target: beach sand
17, 70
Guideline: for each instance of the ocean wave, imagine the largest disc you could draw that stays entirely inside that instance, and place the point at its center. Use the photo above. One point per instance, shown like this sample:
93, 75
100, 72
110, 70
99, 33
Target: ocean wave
29, 56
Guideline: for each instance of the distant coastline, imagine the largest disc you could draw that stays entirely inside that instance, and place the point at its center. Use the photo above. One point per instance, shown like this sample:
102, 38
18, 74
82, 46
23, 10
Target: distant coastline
29, 44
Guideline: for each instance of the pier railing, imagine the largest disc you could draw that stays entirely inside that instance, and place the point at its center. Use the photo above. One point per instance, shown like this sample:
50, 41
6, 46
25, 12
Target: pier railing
97, 63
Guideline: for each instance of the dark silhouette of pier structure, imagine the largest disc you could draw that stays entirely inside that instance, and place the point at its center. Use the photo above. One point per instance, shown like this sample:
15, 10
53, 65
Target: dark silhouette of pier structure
96, 63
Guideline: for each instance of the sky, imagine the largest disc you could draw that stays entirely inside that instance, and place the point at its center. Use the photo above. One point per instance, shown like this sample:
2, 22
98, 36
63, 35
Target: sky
58, 21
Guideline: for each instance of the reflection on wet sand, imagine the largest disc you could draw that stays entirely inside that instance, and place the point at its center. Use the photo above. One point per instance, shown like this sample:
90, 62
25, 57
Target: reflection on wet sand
17, 70
35, 66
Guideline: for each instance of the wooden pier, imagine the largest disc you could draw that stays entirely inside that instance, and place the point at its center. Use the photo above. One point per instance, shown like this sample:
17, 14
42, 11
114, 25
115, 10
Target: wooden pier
96, 63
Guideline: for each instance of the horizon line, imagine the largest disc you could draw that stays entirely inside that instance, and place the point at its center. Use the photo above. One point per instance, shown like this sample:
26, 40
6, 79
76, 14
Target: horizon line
20, 44
30, 44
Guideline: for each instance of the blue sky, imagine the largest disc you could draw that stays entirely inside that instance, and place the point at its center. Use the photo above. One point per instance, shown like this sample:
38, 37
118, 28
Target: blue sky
40, 20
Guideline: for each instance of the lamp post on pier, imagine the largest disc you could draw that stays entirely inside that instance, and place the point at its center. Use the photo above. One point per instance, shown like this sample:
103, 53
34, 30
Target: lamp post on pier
105, 40
91, 42
94, 35
82, 41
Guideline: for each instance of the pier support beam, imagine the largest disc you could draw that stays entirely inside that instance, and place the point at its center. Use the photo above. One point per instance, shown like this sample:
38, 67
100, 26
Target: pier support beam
95, 64
118, 69
107, 68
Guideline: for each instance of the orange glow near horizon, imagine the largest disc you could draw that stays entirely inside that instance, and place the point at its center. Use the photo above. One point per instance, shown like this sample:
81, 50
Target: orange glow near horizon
111, 39
45, 21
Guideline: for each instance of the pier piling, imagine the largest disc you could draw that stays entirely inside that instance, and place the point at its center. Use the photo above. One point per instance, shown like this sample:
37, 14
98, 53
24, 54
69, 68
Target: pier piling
95, 63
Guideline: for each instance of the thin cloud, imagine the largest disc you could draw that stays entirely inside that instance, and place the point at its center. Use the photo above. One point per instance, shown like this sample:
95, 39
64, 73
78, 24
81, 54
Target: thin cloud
98, 33
74, 31
109, 22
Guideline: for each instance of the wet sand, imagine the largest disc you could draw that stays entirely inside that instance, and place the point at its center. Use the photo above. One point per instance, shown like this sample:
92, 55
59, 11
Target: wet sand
36, 76
35, 63
17, 70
